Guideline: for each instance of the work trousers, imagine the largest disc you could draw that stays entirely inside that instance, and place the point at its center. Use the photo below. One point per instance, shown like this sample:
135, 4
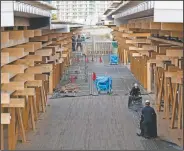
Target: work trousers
79, 45
146, 127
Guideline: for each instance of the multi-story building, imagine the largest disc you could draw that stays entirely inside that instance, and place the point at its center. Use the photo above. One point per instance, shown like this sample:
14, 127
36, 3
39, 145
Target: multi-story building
80, 11
101, 7
76, 11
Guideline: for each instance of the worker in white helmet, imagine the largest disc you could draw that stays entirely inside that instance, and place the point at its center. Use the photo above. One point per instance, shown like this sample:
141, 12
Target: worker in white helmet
134, 93
148, 121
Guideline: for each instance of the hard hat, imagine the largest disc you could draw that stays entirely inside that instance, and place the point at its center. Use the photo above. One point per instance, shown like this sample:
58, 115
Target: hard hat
135, 85
147, 101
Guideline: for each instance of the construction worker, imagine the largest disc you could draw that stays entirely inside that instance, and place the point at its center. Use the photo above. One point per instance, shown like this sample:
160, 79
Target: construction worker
148, 122
73, 42
79, 43
134, 93
93, 76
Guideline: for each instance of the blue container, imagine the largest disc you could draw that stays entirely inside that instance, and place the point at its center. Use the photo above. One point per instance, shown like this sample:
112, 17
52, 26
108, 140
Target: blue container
104, 83
114, 59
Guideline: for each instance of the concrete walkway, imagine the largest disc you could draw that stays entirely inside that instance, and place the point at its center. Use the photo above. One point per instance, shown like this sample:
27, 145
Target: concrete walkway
92, 122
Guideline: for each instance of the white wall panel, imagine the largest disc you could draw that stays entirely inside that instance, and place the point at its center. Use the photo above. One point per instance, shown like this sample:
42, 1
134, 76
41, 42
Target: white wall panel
168, 11
7, 14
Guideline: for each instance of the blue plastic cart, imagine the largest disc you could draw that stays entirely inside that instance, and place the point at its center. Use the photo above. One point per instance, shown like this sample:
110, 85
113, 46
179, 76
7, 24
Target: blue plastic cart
104, 83
113, 59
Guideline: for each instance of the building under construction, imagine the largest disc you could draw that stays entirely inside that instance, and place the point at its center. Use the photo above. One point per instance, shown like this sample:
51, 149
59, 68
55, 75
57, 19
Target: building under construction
49, 99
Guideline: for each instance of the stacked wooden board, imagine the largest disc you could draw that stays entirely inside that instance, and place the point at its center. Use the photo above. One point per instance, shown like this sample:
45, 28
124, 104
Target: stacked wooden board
156, 62
32, 64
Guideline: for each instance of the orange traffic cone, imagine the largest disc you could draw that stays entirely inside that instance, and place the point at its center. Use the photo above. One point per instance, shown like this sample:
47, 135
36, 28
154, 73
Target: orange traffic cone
100, 59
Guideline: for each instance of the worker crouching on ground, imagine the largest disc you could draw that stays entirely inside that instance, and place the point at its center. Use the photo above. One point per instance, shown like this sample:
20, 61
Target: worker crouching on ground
148, 123
135, 92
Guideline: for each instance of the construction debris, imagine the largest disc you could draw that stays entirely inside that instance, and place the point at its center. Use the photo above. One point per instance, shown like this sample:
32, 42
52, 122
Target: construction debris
68, 88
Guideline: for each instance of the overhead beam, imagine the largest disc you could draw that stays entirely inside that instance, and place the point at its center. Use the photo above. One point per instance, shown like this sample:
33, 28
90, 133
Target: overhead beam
34, 57
15, 102
136, 41
27, 62
172, 52
12, 86
34, 83
37, 45
137, 35
41, 77
23, 77
27, 47
38, 32
136, 55
172, 26
39, 38
166, 41
14, 52
16, 35
28, 33
25, 92
136, 48
40, 69
13, 69
44, 52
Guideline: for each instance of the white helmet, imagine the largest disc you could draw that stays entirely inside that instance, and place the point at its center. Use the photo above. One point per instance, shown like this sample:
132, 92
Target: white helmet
135, 85
147, 102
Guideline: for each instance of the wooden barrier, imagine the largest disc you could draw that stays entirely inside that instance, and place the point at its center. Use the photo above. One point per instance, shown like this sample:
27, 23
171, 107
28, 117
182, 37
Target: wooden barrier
156, 63
29, 71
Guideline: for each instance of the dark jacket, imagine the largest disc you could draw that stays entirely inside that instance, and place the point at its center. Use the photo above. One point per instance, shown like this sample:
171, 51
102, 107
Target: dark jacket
135, 91
148, 114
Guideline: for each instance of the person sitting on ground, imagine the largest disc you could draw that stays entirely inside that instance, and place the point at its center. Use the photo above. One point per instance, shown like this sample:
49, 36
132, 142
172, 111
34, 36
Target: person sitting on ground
135, 92
148, 121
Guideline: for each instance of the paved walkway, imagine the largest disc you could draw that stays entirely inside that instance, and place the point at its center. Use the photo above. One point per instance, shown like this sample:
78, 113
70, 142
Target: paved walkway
92, 122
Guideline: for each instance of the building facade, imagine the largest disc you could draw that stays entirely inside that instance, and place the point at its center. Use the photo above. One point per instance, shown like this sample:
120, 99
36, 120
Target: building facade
80, 11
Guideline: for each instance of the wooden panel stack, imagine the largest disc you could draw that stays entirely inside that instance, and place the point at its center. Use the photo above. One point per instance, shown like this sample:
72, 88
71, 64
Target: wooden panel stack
155, 61
31, 66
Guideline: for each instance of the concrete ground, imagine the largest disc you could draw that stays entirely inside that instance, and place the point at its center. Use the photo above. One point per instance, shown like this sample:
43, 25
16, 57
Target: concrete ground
93, 122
